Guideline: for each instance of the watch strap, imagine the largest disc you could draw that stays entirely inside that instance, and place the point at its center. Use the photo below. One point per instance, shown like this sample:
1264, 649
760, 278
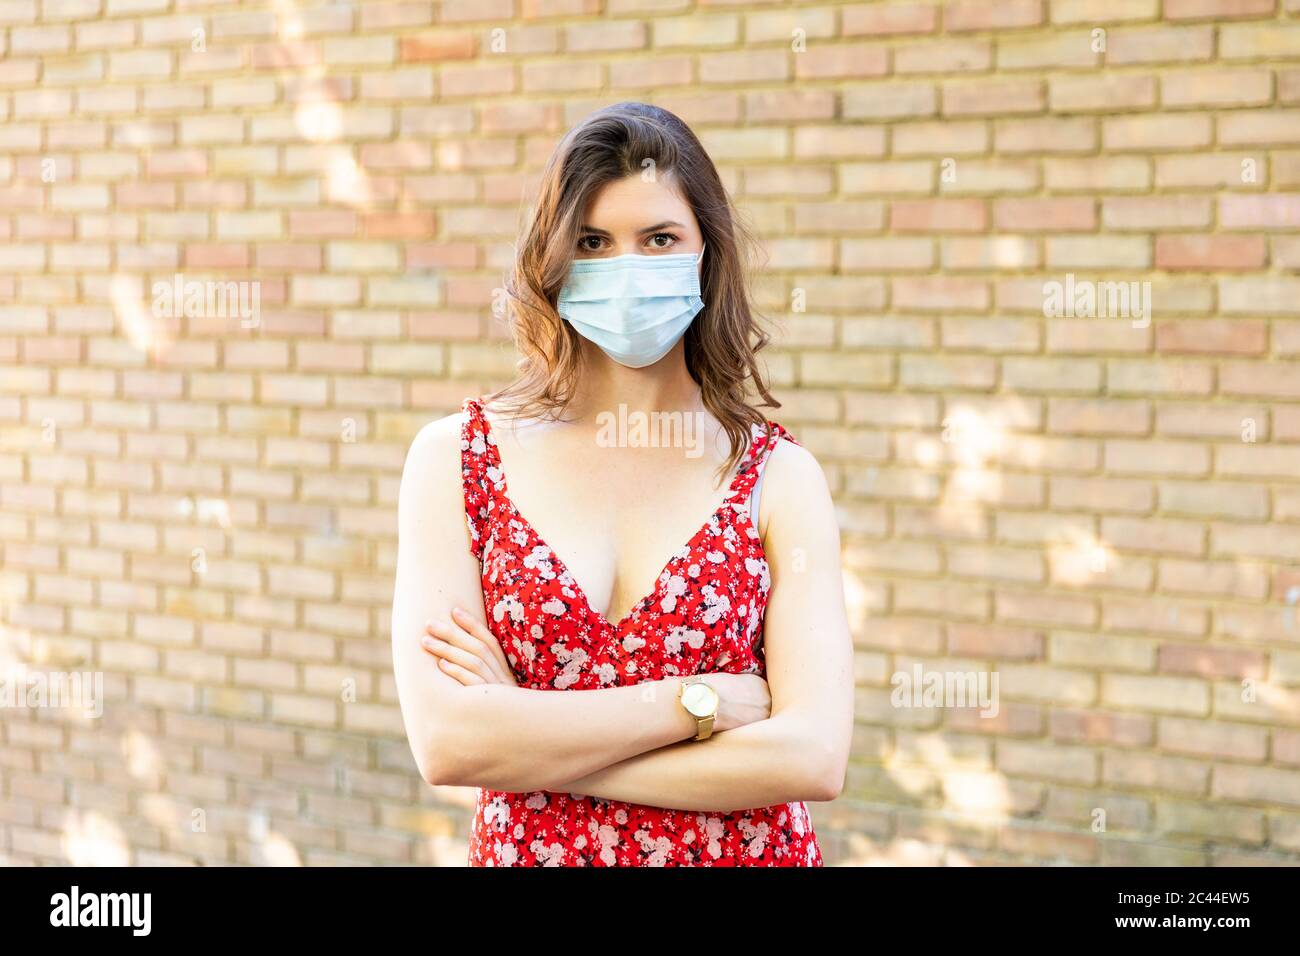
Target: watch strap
704, 727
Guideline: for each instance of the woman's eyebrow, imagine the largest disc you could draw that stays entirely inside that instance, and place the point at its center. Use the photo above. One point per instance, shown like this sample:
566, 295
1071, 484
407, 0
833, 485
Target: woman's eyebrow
661, 225
593, 231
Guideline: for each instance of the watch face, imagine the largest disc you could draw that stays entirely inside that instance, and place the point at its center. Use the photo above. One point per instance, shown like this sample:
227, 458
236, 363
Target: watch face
699, 700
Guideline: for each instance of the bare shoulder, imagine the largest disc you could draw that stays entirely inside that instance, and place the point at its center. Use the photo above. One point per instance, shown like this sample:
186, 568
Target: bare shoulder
794, 488
440, 435
432, 471
794, 463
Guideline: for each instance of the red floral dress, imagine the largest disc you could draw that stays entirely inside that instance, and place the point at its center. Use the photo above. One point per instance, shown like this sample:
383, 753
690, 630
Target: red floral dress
709, 598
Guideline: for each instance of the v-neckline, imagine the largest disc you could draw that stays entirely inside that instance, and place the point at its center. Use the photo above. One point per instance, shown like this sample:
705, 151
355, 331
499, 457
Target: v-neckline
563, 567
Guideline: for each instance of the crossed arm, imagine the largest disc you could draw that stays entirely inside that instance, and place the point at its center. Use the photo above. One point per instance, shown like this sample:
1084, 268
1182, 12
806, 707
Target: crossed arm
626, 743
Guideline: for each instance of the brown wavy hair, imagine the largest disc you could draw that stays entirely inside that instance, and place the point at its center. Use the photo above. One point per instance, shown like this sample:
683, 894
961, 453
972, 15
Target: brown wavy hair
723, 340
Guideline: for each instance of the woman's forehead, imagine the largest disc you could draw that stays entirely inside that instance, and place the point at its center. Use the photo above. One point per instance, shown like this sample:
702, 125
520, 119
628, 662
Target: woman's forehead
632, 204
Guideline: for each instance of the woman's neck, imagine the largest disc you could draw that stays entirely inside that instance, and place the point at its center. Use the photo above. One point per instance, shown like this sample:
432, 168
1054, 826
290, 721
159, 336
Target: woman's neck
605, 385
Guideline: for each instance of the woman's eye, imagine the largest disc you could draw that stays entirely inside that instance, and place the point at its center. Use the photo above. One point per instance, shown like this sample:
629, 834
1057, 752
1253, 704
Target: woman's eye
584, 243
662, 235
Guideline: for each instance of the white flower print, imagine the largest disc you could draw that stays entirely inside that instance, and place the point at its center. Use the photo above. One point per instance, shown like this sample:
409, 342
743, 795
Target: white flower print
715, 605
539, 560
713, 832
657, 849
571, 674
568, 586
607, 840
799, 819
673, 639
508, 604
548, 854
756, 835
674, 588
495, 813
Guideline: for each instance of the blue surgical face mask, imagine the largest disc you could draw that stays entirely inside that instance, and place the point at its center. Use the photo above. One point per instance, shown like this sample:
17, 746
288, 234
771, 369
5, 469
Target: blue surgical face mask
633, 307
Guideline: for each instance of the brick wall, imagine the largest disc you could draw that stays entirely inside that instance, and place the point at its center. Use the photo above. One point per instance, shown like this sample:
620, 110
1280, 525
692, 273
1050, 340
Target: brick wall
1103, 511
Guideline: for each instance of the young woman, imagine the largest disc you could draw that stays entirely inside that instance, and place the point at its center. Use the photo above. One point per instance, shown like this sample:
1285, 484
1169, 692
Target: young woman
696, 718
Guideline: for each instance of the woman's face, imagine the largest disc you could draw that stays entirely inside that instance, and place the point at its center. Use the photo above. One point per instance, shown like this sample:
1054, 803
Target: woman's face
638, 217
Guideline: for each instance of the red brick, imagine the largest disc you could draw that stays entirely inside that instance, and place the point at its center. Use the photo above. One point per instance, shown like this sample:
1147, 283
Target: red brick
1210, 253
964, 15
938, 215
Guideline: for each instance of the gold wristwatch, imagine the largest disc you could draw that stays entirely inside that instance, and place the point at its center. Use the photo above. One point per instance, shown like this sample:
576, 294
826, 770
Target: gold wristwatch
701, 702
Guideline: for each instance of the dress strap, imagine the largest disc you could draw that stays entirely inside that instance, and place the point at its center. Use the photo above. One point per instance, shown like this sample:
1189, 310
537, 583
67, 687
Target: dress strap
762, 442
480, 472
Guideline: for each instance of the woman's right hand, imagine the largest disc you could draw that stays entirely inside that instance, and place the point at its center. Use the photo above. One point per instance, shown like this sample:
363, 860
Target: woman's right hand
742, 699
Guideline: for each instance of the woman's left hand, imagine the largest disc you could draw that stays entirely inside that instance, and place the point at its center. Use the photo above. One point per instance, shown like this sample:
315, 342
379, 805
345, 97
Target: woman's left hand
467, 650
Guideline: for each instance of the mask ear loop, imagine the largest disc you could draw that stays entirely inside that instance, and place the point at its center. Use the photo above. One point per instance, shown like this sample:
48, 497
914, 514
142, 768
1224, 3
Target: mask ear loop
699, 258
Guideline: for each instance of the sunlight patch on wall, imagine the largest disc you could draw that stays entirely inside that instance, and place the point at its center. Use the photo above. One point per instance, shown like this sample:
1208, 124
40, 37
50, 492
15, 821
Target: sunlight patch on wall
91, 839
